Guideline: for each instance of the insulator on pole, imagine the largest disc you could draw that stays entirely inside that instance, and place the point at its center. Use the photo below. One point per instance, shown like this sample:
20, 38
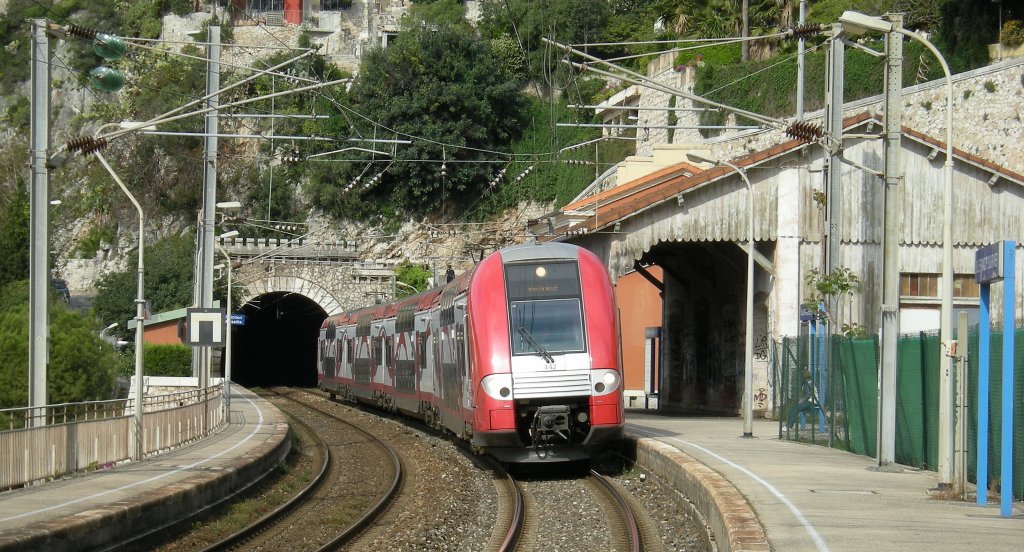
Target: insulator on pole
804, 31
106, 79
804, 131
94, 145
81, 32
76, 144
108, 46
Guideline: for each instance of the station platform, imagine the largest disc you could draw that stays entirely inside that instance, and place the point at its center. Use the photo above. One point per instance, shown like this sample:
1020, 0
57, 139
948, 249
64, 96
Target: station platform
110, 508
813, 498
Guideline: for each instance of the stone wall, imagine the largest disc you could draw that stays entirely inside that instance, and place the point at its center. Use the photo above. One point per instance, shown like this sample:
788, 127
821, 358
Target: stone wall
989, 103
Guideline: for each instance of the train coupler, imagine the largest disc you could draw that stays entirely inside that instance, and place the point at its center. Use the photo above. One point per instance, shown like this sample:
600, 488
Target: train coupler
550, 424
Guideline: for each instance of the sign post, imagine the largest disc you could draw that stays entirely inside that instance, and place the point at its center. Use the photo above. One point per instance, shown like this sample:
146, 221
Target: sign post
993, 263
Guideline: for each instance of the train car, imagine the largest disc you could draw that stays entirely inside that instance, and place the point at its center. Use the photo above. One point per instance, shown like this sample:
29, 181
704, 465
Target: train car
519, 356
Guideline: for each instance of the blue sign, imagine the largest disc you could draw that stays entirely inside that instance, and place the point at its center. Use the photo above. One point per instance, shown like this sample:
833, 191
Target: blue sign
988, 263
237, 319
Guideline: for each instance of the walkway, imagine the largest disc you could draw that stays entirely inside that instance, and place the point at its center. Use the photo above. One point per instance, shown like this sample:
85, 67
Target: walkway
814, 498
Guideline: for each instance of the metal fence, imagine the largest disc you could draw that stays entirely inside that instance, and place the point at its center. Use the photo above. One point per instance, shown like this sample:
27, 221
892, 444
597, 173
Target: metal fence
826, 392
38, 444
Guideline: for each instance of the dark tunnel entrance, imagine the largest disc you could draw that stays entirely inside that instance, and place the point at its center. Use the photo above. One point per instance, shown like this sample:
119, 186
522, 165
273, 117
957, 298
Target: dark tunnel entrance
277, 343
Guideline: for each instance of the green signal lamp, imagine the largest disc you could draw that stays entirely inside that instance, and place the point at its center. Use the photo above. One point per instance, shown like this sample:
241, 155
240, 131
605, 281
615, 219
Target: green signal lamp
106, 79
108, 46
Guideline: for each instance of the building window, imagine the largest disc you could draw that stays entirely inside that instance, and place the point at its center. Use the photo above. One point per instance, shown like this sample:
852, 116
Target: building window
919, 285
927, 286
965, 286
335, 4
265, 5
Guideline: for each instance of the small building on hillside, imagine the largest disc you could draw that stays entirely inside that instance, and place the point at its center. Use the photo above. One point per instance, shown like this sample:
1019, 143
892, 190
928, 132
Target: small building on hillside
166, 328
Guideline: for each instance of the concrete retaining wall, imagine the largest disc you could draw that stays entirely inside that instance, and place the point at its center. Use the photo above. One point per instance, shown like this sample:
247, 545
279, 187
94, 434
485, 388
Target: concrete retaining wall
730, 517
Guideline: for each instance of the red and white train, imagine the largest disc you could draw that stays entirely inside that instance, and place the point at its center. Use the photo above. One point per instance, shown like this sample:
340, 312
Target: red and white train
519, 356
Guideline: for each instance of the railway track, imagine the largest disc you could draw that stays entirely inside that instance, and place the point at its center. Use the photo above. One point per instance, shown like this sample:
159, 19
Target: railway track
569, 511
629, 535
315, 519
566, 510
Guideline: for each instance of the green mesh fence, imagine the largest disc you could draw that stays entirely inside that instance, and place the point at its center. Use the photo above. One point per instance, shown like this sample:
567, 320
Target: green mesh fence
995, 410
917, 400
826, 392
858, 359
808, 396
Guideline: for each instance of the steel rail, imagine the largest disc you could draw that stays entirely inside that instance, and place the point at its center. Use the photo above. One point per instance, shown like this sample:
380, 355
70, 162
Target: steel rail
628, 517
517, 511
281, 511
385, 501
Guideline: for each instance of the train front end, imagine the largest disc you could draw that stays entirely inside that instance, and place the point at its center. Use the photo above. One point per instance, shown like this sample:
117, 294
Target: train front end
547, 376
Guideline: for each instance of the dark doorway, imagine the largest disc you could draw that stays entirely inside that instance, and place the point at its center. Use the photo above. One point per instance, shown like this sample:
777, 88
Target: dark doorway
702, 353
277, 343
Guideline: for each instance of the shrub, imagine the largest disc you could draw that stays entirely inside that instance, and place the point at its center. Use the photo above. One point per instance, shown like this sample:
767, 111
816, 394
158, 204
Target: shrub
1012, 33
167, 360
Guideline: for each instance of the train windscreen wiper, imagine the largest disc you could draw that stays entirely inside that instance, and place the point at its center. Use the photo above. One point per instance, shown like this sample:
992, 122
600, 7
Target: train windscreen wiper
540, 348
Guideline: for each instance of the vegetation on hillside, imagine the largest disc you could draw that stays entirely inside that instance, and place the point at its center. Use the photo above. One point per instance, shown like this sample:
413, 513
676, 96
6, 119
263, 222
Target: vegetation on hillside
169, 264
482, 139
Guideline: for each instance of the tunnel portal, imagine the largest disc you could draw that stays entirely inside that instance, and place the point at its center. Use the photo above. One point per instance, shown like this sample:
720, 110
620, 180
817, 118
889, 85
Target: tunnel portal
277, 343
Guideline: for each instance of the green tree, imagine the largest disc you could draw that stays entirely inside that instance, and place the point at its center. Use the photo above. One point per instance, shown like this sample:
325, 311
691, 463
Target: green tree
168, 283
565, 21
966, 30
444, 85
82, 366
14, 235
412, 275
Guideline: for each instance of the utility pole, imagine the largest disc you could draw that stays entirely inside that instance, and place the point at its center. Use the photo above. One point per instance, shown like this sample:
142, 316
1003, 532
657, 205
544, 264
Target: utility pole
745, 30
209, 188
834, 129
890, 243
800, 65
39, 251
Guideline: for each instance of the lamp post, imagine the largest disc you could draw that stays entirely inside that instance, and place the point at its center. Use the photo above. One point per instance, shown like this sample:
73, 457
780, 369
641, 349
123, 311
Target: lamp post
227, 334
140, 303
748, 342
857, 23
227, 206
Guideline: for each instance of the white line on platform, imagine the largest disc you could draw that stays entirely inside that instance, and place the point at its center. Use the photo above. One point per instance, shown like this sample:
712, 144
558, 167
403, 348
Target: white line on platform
151, 479
811, 531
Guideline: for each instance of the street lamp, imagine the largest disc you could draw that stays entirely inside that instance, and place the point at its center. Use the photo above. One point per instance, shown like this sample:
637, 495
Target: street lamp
858, 23
140, 302
227, 336
748, 344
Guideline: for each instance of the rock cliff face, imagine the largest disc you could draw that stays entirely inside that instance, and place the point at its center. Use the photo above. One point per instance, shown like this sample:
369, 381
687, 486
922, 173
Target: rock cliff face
343, 36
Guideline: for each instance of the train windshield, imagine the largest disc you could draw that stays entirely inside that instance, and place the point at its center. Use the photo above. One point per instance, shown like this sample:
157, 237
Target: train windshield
545, 313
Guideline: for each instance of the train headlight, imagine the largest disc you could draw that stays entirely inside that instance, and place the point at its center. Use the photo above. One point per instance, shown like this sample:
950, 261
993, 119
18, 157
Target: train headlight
498, 386
604, 381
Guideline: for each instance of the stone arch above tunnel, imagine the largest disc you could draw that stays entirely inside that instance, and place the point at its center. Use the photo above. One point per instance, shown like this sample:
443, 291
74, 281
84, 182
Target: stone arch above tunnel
291, 284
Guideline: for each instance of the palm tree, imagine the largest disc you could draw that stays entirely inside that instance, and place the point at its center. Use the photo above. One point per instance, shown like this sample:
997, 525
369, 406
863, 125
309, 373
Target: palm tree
724, 18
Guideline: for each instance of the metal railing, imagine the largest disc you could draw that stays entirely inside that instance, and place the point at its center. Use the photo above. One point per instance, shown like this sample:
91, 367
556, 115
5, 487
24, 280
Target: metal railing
43, 443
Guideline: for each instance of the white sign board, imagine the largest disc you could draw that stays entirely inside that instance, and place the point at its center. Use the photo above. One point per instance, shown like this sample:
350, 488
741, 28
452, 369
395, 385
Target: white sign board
205, 327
